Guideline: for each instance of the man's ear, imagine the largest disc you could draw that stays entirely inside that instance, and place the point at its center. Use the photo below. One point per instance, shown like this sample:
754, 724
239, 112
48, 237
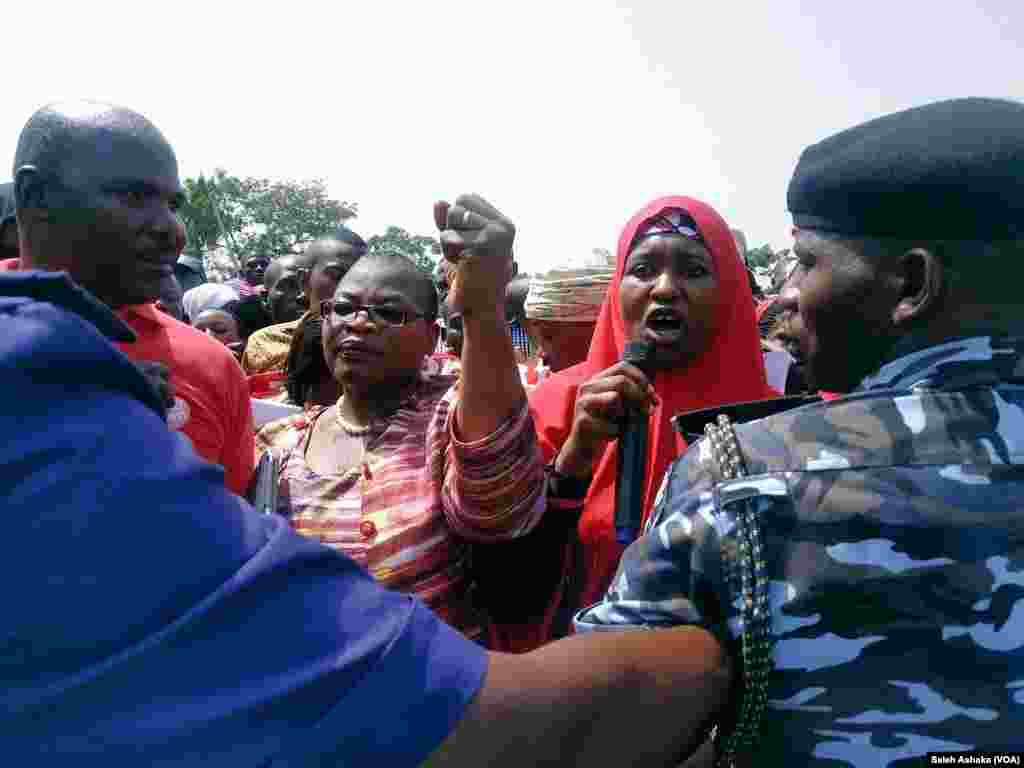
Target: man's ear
30, 192
433, 332
920, 276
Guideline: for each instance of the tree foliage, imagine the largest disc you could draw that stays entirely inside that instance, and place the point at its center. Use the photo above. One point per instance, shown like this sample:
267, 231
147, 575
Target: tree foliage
258, 216
421, 250
760, 257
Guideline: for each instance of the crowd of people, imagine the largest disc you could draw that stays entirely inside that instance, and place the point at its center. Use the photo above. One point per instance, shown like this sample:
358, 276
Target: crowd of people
831, 552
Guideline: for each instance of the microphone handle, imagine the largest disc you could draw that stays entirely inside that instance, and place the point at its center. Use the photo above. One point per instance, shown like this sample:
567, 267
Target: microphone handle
632, 474
632, 464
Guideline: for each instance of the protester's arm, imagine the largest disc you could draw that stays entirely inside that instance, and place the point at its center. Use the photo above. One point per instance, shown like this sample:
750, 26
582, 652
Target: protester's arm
492, 489
239, 452
602, 699
477, 238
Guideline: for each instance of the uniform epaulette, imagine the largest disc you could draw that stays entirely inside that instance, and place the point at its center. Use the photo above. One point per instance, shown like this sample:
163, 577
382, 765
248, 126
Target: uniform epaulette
691, 423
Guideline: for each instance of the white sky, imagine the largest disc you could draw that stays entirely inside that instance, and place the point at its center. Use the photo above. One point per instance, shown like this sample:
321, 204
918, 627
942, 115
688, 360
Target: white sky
568, 116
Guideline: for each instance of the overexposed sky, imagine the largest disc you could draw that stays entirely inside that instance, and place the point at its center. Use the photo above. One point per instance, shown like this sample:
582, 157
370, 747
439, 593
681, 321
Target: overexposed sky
568, 116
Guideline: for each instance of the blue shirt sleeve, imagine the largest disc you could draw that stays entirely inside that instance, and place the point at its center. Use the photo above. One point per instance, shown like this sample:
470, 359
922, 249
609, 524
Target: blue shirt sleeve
153, 618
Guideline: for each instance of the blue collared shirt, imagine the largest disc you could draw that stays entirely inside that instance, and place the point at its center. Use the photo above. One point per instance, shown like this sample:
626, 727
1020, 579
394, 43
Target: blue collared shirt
151, 617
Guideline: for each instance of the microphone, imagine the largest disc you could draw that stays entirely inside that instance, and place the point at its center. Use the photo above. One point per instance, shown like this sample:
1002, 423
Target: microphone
632, 470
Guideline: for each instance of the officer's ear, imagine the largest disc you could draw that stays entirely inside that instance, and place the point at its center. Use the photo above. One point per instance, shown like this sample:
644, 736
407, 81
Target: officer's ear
919, 276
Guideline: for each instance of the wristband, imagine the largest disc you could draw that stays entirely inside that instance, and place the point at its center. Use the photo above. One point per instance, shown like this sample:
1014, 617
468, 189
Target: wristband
566, 486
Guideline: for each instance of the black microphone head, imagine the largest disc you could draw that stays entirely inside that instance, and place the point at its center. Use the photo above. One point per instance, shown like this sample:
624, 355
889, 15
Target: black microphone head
640, 354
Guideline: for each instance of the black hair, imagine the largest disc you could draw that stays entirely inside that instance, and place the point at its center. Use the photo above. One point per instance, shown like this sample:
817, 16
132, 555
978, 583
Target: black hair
452, 321
423, 283
755, 288
987, 269
767, 321
327, 246
346, 235
250, 314
54, 135
305, 366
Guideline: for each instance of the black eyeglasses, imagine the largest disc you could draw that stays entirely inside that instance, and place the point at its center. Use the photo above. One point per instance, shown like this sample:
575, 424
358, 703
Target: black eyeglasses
341, 311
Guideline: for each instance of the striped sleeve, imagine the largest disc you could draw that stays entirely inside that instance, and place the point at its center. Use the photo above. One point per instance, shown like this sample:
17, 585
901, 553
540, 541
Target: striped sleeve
491, 489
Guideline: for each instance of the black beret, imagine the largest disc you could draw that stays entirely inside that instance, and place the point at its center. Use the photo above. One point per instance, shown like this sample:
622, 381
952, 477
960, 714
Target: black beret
949, 170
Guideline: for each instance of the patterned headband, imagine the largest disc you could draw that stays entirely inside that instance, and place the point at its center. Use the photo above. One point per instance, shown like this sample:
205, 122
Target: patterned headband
674, 221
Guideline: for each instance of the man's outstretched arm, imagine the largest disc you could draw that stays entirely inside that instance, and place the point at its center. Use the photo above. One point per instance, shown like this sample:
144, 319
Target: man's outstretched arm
637, 698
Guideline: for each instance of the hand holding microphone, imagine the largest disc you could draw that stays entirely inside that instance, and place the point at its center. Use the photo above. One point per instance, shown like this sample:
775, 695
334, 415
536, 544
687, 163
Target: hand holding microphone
630, 481
602, 405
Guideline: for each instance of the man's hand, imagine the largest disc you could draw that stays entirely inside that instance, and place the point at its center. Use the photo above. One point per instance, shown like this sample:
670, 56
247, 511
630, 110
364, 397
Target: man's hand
477, 240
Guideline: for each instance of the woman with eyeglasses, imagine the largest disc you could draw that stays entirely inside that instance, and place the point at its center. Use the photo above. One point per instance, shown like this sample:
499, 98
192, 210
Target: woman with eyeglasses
407, 468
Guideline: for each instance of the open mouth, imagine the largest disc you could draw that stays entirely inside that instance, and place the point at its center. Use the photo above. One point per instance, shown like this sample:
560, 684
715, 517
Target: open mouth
665, 325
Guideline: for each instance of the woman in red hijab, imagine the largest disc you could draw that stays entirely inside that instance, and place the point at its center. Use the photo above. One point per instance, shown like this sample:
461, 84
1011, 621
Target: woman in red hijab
680, 284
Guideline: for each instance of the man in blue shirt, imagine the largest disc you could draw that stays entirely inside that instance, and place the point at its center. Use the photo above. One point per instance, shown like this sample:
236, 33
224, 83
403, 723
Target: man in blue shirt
151, 617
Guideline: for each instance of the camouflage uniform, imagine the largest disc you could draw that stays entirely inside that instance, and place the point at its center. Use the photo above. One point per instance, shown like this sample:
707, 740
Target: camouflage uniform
893, 523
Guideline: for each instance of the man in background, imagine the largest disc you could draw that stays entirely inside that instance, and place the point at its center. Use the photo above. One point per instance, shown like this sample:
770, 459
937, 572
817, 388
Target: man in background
96, 191
190, 271
313, 277
563, 304
250, 280
515, 316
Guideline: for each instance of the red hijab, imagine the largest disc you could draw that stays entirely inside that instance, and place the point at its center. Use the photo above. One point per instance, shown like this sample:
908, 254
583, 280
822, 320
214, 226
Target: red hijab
731, 370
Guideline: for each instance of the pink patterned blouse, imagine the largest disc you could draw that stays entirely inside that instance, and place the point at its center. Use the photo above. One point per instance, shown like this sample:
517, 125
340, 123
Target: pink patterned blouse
420, 495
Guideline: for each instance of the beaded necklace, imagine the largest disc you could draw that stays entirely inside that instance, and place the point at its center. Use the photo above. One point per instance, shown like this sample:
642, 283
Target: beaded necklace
755, 619
350, 429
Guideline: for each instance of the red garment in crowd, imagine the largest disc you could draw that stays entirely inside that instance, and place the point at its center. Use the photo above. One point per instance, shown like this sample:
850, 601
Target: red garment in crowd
732, 370
269, 384
212, 404
212, 407
244, 288
763, 306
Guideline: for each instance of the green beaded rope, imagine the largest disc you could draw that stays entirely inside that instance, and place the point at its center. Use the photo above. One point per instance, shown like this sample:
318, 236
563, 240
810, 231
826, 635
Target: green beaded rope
755, 618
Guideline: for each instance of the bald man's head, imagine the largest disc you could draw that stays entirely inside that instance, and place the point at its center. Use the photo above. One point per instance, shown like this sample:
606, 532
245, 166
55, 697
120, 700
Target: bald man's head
324, 263
96, 187
283, 281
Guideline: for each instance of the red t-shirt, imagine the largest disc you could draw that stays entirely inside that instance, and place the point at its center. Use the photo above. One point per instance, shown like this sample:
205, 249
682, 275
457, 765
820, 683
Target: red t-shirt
212, 404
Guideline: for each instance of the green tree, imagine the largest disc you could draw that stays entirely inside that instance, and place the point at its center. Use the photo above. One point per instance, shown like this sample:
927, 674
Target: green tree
760, 257
258, 216
421, 250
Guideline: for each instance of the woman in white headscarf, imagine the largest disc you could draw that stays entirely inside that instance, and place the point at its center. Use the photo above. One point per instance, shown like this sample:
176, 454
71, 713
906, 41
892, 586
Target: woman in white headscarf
206, 296
562, 307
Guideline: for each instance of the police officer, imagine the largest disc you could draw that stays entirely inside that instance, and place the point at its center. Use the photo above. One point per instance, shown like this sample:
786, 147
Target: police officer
867, 573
